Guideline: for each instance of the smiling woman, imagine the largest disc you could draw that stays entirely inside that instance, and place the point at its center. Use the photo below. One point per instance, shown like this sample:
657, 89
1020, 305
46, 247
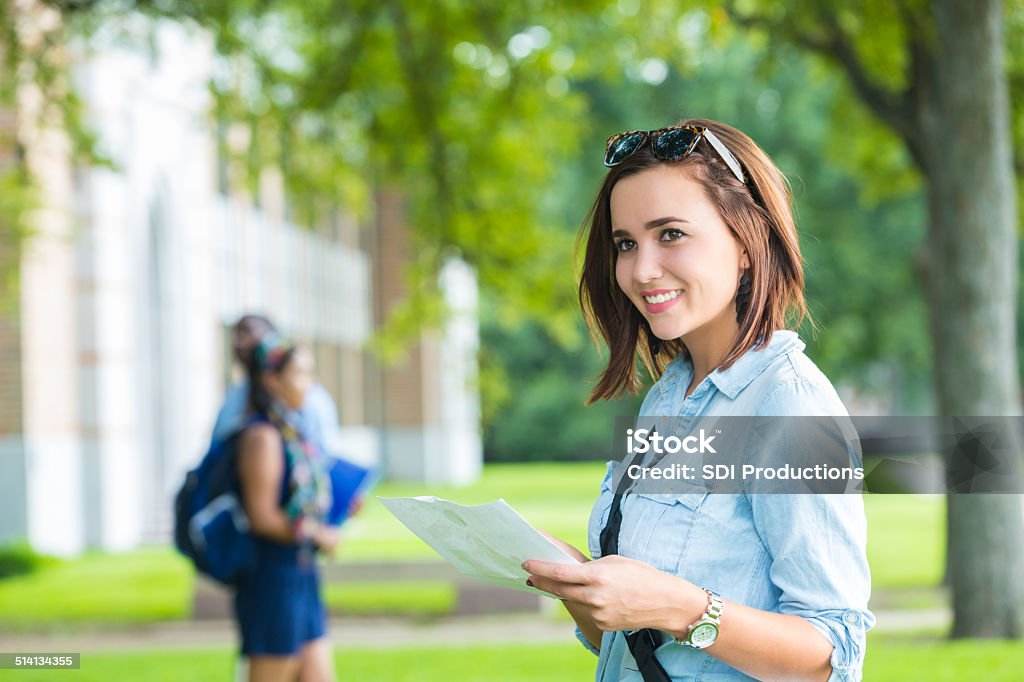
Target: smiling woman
692, 263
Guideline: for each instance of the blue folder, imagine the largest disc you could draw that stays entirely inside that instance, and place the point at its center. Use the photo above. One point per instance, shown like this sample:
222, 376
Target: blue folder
348, 481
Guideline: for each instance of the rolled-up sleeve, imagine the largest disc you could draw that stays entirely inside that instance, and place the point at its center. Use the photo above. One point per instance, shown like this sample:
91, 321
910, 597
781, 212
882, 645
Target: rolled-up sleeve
847, 631
586, 642
817, 545
818, 549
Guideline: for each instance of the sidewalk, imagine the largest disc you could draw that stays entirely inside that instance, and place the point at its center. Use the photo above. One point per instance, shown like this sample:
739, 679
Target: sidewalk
377, 633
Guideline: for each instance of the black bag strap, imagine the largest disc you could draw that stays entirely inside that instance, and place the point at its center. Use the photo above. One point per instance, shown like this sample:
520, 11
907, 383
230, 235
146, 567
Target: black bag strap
641, 643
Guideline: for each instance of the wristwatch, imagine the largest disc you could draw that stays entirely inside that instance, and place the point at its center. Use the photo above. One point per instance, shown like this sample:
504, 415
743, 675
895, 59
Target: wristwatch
704, 632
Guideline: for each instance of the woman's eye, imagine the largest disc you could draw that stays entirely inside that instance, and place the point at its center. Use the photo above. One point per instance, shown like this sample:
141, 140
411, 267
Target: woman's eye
671, 234
624, 245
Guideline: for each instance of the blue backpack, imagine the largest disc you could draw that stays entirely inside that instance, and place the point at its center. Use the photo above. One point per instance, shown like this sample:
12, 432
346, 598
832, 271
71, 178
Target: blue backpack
210, 525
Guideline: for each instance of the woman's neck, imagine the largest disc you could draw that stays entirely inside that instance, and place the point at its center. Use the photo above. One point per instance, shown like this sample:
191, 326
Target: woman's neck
700, 373
708, 348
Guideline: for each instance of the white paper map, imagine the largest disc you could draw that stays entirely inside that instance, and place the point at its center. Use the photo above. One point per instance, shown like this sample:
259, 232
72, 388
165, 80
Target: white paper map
488, 541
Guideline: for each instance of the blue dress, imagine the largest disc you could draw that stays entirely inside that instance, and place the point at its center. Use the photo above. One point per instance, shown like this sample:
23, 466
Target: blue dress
277, 604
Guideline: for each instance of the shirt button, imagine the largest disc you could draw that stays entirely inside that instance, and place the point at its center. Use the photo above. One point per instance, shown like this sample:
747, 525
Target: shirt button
851, 617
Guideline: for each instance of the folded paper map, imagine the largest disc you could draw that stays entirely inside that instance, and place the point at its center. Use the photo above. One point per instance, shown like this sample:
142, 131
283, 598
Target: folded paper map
489, 541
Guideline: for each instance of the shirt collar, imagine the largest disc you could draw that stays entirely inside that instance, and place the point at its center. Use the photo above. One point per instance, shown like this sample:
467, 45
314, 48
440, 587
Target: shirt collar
756, 360
747, 367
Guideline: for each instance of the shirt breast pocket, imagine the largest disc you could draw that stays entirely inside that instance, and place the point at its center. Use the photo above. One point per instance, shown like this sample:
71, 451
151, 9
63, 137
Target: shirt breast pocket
659, 528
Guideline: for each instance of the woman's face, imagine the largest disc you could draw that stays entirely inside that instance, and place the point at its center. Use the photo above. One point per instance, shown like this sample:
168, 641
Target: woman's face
677, 261
295, 378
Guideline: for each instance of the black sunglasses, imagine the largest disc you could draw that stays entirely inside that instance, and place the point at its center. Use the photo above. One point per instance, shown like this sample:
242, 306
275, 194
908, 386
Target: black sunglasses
669, 144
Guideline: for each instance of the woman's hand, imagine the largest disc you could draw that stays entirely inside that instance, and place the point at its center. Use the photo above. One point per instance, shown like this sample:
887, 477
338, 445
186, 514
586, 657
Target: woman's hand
326, 538
355, 506
622, 594
579, 612
566, 547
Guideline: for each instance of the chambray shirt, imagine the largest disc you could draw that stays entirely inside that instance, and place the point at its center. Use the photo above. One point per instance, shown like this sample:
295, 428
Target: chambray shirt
801, 554
318, 417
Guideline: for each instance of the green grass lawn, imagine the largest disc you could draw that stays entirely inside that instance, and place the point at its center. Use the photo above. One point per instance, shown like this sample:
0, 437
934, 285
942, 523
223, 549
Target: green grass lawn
905, 549
494, 664
101, 589
554, 497
906, 540
407, 598
888, 660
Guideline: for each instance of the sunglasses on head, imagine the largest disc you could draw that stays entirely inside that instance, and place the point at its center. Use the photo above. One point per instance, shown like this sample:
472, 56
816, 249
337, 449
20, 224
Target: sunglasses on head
669, 144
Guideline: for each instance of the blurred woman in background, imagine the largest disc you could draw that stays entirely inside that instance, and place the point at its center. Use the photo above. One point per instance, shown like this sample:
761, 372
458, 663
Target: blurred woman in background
286, 494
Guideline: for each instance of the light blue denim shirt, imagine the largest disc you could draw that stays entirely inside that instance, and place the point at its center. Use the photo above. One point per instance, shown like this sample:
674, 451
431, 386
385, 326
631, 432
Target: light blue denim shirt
318, 416
799, 554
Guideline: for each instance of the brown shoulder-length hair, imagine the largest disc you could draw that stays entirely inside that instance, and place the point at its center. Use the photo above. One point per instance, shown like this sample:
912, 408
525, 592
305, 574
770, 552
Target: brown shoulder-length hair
760, 216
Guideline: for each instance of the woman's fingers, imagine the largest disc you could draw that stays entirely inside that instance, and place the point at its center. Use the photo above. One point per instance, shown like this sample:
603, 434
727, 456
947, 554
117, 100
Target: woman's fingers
566, 581
567, 591
563, 573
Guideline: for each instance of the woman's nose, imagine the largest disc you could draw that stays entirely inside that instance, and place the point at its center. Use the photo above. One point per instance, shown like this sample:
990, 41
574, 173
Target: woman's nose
647, 267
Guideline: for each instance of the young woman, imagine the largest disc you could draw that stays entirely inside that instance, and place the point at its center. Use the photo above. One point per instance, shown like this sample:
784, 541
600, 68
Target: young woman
692, 263
286, 496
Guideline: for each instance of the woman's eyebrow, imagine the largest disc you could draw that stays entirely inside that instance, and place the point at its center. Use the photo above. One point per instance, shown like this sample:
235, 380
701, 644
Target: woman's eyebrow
658, 222
651, 224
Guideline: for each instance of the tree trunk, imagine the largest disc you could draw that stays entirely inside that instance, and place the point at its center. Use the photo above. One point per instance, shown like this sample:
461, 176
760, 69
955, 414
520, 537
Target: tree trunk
972, 286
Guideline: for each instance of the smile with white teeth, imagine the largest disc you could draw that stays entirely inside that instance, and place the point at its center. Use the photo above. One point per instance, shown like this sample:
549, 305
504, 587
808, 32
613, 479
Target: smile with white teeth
661, 298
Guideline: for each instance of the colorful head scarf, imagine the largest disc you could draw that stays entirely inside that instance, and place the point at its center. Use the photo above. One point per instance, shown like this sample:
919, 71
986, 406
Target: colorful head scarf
309, 486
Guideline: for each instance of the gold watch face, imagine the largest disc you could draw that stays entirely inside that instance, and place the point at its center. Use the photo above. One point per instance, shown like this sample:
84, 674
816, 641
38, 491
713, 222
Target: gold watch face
703, 635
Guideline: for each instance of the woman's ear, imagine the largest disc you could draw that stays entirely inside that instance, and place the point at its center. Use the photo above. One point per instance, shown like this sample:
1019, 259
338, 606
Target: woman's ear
744, 260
